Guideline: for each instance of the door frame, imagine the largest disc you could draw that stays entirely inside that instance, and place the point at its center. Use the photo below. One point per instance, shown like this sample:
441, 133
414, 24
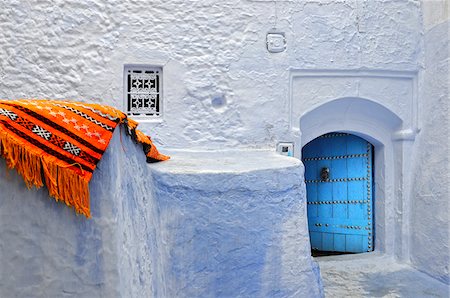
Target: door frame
383, 129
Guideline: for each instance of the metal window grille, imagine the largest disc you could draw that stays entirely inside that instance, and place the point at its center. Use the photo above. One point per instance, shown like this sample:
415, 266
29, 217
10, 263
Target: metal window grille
143, 91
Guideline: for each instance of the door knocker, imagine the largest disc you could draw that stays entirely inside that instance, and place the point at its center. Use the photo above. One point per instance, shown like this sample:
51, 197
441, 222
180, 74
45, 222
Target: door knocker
324, 174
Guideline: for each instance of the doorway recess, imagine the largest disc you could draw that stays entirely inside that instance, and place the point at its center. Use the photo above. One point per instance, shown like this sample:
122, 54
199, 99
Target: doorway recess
339, 177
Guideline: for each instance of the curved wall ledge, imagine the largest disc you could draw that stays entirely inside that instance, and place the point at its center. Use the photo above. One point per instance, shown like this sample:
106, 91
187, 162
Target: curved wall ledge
235, 224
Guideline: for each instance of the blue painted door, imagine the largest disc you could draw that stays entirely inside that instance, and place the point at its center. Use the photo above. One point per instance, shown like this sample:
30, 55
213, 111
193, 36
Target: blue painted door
338, 176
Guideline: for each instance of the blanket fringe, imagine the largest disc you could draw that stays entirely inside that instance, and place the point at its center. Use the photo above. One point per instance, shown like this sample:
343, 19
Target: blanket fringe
63, 180
62, 183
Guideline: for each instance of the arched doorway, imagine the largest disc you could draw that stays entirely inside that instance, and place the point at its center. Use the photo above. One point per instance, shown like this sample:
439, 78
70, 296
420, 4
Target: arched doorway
392, 145
339, 178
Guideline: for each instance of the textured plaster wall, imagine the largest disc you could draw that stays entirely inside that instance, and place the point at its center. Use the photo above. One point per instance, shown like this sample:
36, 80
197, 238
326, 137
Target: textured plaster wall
189, 227
235, 226
48, 251
209, 50
430, 245
214, 51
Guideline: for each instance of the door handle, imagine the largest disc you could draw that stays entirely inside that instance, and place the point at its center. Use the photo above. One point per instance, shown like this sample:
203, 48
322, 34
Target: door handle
324, 174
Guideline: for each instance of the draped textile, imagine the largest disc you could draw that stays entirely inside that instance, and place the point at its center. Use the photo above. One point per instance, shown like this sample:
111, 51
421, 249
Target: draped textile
59, 143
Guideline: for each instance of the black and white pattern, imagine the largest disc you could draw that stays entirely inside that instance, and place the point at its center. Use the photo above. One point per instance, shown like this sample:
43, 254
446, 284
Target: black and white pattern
107, 127
143, 91
337, 180
110, 117
71, 148
336, 157
45, 134
8, 114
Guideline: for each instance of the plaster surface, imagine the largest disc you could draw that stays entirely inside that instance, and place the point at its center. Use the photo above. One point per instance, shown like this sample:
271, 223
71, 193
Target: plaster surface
226, 161
391, 90
430, 220
235, 225
208, 49
49, 251
203, 224
224, 90
375, 275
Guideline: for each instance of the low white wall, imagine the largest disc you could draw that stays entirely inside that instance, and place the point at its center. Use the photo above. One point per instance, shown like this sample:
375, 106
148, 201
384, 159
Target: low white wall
235, 224
49, 251
225, 225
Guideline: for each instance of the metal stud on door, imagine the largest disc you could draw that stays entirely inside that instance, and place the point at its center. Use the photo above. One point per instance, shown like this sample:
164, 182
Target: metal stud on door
338, 176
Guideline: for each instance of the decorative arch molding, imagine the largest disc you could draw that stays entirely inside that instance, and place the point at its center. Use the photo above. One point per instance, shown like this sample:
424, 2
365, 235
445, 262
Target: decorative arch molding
358, 115
383, 128
378, 105
395, 91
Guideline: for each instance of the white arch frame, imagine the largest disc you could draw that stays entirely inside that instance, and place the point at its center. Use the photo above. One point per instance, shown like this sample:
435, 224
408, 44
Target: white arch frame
383, 128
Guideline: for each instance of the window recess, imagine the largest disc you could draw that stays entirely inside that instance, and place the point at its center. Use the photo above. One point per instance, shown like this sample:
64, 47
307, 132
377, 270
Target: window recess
143, 91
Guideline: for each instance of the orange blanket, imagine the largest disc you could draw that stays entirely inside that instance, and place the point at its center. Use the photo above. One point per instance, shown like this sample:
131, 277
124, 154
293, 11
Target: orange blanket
59, 143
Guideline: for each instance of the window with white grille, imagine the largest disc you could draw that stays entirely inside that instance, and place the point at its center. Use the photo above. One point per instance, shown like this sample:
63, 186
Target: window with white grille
143, 91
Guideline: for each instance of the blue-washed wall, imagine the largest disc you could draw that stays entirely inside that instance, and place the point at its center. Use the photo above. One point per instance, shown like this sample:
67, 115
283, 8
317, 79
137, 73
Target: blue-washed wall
159, 231
48, 251
235, 232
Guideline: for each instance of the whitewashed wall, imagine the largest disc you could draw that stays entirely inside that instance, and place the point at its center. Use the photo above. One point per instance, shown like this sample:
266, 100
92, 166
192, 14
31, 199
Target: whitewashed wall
209, 49
430, 245
216, 49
